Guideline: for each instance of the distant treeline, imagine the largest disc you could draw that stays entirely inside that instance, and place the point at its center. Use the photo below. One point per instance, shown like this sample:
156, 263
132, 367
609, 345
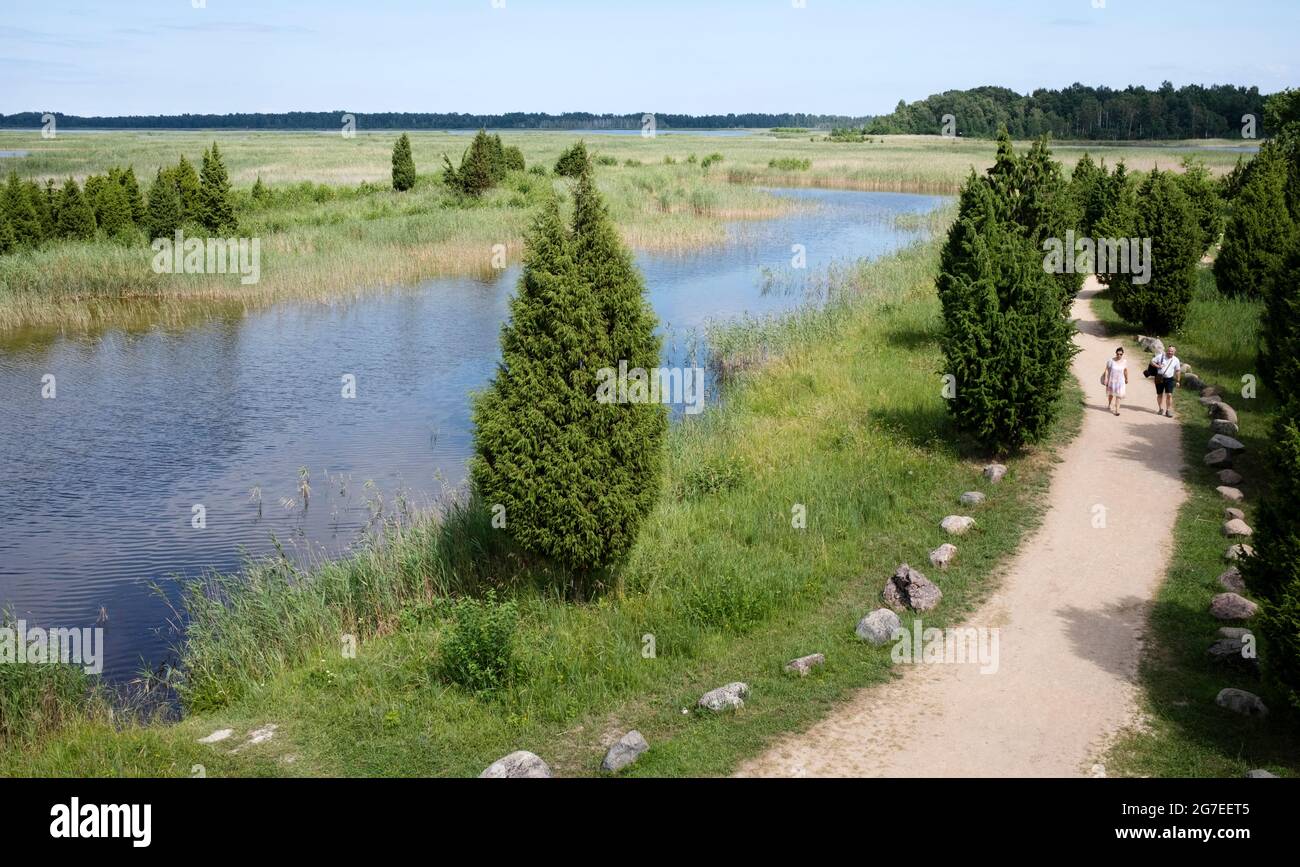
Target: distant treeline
331, 120
1082, 112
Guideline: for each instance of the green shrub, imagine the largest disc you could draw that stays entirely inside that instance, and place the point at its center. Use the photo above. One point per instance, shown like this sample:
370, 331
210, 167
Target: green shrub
1273, 574
216, 212
606, 160
478, 652
711, 160
1166, 216
1261, 230
163, 215
790, 164
403, 165
1203, 196
481, 166
514, 159
574, 162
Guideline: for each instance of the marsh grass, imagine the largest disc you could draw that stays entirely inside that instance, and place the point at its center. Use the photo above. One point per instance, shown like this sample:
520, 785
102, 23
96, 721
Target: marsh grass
845, 417
1183, 733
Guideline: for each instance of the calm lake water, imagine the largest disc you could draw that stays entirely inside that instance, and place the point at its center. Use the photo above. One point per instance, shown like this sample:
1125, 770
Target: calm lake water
100, 482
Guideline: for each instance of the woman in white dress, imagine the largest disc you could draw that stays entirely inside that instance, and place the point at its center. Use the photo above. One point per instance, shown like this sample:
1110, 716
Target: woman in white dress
1116, 380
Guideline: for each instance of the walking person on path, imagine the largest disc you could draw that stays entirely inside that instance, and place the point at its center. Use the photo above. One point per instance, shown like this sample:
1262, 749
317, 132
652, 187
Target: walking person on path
1169, 372
1115, 378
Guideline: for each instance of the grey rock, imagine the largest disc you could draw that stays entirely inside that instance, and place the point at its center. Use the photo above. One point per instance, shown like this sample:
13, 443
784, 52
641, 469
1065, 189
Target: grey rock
1259, 774
1220, 426
519, 765
624, 751
805, 664
1210, 400
1242, 702
1192, 381
1232, 581
1218, 458
218, 735
995, 472
1230, 477
1231, 513
1237, 632
1154, 345
1237, 527
1211, 390
1223, 441
1233, 494
878, 627
729, 697
972, 498
1228, 650
908, 588
1232, 606
943, 555
1238, 552
957, 525
1223, 411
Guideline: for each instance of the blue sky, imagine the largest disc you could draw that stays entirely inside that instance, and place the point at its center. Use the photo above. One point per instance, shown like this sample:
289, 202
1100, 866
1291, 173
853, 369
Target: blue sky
691, 56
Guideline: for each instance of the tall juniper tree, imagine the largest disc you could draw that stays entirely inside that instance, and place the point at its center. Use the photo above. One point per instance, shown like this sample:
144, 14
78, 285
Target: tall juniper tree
403, 164
1158, 300
216, 211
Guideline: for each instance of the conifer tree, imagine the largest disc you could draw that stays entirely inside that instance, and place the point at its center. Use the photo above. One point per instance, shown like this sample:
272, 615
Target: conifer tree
577, 475
1165, 215
164, 215
187, 188
534, 452
514, 159
23, 219
1279, 339
1118, 213
76, 217
260, 193
112, 209
131, 187
8, 242
1200, 190
479, 169
216, 211
1007, 342
40, 202
1084, 181
574, 162
403, 164
1261, 231
1273, 574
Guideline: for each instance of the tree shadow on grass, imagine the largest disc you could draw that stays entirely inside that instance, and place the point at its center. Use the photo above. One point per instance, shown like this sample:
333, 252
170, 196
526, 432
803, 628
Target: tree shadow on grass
913, 338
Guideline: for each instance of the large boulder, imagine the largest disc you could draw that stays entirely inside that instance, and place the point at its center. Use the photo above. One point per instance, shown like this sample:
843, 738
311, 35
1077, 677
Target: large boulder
729, 697
1242, 702
957, 525
995, 472
1223, 441
908, 588
805, 664
1230, 477
1222, 411
1222, 426
1232, 581
943, 555
1237, 527
878, 627
518, 765
1219, 458
1232, 606
1231, 494
624, 751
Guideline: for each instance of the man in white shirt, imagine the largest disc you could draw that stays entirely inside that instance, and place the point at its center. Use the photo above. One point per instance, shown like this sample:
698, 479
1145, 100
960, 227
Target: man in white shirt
1168, 374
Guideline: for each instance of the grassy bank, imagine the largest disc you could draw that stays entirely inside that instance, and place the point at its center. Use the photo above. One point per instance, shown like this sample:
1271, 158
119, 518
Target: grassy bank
841, 412
333, 228
1183, 733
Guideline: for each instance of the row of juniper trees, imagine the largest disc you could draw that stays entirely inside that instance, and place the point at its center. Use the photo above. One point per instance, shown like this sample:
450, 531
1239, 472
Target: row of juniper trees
1007, 330
112, 206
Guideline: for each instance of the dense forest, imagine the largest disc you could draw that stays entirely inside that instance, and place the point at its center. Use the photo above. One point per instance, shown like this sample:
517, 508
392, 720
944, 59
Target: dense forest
330, 120
1082, 112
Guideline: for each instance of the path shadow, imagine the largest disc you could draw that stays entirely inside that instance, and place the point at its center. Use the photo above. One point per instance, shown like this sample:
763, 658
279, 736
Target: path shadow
1108, 638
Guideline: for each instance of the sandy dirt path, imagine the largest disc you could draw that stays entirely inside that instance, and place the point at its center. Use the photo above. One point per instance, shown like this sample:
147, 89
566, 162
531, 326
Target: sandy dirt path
1071, 609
